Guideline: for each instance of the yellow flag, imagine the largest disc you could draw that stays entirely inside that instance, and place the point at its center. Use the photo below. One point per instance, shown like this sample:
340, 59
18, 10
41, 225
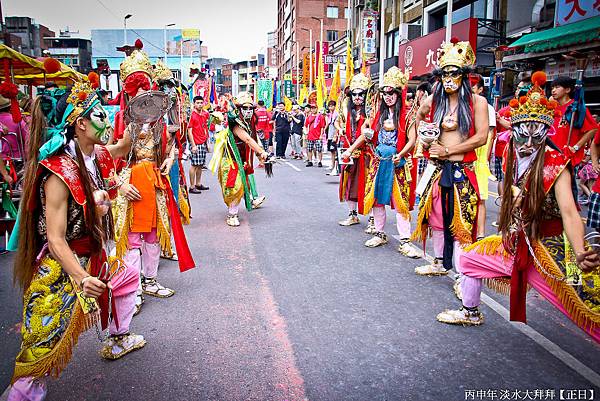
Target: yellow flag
320, 79
288, 103
334, 92
349, 63
302, 96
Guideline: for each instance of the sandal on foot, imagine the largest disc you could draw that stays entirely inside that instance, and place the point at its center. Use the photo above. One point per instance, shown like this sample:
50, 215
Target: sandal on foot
152, 287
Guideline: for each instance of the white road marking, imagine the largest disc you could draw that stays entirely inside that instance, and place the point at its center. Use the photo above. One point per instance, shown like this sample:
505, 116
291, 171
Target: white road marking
292, 166
559, 353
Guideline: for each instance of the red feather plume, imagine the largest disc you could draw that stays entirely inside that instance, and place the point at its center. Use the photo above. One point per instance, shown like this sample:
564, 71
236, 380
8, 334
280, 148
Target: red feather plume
454, 40
94, 79
82, 96
139, 44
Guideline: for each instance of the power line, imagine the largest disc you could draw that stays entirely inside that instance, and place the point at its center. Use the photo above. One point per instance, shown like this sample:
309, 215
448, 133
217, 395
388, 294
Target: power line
129, 29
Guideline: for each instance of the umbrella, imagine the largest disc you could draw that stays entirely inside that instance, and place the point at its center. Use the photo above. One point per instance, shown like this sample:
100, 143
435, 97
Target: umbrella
18, 64
65, 76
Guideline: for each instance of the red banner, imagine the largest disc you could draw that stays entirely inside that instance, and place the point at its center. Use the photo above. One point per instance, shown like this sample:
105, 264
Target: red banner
420, 55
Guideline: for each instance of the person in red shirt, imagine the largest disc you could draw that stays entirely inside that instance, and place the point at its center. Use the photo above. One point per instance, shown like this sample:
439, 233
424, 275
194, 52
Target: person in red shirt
593, 220
198, 137
563, 89
315, 123
263, 126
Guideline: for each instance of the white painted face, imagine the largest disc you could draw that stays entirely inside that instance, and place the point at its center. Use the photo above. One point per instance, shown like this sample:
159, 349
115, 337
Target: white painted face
451, 79
358, 97
529, 136
100, 124
247, 111
390, 96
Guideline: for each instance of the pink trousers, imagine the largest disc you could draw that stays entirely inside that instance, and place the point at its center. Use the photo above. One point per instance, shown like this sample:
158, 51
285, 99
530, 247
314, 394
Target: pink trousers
144, 251
436, 222
402, 223
476, 267
28, 389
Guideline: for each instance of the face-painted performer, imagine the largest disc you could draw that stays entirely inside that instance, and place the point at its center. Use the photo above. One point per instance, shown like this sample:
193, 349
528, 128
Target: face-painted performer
537, 209
167, 84
449, 200
145, 211
232, 159
350, 124
389, 176
60, 238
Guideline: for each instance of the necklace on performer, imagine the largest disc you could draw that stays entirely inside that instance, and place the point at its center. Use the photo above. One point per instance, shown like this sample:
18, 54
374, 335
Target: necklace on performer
450, 122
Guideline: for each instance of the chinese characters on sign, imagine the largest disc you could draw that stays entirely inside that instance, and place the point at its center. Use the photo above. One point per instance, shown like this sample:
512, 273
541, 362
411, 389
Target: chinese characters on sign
369, 37
569, 11
529, 394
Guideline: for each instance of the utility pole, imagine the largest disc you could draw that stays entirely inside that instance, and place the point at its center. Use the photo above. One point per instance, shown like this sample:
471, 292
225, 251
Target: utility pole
381, 41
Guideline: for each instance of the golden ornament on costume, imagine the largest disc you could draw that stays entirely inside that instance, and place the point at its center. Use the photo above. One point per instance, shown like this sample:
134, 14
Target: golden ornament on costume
243, 98
534, 106
455, 53
360, 82
138, 61
162, 72
395, 78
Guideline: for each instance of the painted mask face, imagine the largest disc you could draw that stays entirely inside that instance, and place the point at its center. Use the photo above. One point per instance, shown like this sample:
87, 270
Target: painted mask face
358, 97
451, 79
100, 124
390, 96
529, 136
247, 112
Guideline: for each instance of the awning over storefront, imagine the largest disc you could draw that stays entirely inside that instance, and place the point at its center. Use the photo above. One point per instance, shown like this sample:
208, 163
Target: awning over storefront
562, 36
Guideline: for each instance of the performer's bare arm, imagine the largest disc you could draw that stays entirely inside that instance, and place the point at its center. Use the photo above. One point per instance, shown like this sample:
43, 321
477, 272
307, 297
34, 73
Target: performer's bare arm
247, 139
586, 259
423, 112
595, 154
410, 144
122, 148
165, 167
57, 200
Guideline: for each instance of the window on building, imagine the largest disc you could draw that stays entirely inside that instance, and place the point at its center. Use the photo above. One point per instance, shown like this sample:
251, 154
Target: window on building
392, 43
332, 12
415, 29
332, 36
474, 9
347, 12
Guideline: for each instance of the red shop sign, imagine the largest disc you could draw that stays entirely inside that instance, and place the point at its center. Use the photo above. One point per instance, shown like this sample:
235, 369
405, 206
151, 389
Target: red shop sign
420, 55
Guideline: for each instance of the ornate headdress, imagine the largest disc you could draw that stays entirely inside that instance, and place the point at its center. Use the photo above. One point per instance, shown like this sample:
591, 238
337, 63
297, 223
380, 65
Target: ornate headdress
162, 72
459, 54
80, 100
360, 82
243, 98
395, 78
138, 61
534, 106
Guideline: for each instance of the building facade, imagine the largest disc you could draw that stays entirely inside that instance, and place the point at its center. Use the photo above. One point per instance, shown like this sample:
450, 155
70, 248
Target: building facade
296, 19
31, 35
183, 50
71, 50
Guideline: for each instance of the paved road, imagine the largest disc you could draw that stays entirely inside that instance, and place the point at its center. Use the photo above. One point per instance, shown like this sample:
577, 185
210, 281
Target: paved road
293, 307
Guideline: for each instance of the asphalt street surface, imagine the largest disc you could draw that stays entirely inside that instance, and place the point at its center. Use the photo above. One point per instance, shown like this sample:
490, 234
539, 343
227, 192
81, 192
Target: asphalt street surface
291, 306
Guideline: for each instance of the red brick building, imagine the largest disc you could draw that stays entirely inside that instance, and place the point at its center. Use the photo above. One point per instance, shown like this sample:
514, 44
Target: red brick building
293, 15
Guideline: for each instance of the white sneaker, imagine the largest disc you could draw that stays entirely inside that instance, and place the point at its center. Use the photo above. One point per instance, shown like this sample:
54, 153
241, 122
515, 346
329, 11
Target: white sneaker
406, 249
350, 221
434, 269
461, 316
379, 239
232, 220
371, 226
152, 287
118, 346
256, 203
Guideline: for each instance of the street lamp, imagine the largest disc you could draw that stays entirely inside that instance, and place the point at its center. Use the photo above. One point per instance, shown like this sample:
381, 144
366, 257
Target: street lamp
125, 28
310, 62
165, 39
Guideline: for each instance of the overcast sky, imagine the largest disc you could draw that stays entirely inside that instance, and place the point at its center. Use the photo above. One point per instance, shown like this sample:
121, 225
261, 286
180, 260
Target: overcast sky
235, 29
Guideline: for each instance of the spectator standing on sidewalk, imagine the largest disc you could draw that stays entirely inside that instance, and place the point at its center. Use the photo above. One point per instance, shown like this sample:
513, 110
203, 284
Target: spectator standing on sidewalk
281, 120
298, 120
198, 137
315, 123
263, 126
332, 136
